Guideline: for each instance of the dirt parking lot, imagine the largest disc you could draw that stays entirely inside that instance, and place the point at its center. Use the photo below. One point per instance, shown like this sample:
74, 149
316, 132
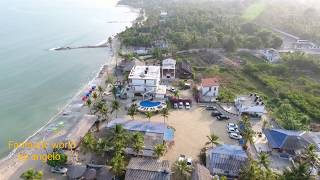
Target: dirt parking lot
192, 126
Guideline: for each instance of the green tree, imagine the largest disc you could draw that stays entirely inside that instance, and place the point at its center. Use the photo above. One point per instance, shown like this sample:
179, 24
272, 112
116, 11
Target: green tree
118, 164
137, 142
299, 171
176, 94
263, 160
115, 106
165, 114
132, 111
32, 174
61, 161
182, 170
89, 142
159, 150
149, 115
89, 104
247, 133
100, 90
212, 140
230, 45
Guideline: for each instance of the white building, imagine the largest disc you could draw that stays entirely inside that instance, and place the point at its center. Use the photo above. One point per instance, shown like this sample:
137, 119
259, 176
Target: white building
146, 81
271, 55
251, 104
209, 89
168, 69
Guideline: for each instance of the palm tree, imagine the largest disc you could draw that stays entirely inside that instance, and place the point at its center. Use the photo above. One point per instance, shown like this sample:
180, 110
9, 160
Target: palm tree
248, 133
213, 140
119, 138
132, 111
32, 174
89, 142
182, 169
118, 164
95, 96
311, 156
89, 103
137, 142
301, 171
149, 115
176, 94
159, 150
165, 114
115, 106
100, 90
263, 159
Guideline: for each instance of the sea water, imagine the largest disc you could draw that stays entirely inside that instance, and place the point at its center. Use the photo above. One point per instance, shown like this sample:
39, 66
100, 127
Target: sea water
35, 83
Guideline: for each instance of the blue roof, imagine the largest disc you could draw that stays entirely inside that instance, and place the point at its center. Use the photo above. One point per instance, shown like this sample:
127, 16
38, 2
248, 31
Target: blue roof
278, 138
139, 125
169, 134
227, 149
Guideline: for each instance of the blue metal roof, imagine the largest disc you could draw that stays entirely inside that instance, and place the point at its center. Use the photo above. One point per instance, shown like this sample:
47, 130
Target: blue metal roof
227, 149
278, 137
139, 125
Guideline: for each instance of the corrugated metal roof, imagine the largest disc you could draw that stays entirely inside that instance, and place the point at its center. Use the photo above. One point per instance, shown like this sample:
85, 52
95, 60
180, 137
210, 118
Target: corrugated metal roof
226, 160
147, 169
286, 139
139, 125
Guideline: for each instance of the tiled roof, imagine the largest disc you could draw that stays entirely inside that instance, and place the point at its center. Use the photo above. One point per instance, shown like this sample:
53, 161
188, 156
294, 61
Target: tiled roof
226, 160
286, 139
147, 169
209, 82
201, 173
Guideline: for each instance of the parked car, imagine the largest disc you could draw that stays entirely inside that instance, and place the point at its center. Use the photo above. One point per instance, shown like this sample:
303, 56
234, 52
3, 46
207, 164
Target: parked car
187, 105
180, 105
175, 106
235, 136
223, 117
59, 170
233, 130
211, 108
172, 89
216, 113
184, 158
232, 125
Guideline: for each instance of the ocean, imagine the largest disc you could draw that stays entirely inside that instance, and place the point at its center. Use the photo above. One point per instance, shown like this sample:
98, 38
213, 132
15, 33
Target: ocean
35, 83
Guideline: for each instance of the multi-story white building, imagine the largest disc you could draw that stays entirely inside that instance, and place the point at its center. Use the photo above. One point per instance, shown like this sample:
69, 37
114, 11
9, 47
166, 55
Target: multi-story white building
251, 104
168, 69
146, 81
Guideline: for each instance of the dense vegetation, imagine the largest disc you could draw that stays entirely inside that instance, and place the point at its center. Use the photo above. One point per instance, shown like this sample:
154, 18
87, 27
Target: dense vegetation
297, 17
196, 25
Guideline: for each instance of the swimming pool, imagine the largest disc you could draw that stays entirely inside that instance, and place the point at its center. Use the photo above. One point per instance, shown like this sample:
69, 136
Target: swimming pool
149, 104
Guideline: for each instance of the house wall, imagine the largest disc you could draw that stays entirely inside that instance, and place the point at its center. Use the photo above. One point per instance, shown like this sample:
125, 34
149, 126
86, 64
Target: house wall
210, 91
142, 85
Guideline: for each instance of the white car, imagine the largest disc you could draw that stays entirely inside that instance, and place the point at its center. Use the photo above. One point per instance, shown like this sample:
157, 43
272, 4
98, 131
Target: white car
232, 125
187, 105
183, 158
59, 170
175, 106
180, 105
233, 130
235, 136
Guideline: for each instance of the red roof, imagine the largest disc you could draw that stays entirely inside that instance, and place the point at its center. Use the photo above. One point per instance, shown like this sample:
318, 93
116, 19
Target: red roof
209, 82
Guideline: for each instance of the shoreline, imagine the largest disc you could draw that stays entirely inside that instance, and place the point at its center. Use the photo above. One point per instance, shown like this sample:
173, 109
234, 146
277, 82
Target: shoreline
11, 167
10, 164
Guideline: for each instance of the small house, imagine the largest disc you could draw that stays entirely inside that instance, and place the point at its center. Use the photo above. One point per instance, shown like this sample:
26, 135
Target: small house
250, 104
226, 160
209, 89
271, 55
147, 169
